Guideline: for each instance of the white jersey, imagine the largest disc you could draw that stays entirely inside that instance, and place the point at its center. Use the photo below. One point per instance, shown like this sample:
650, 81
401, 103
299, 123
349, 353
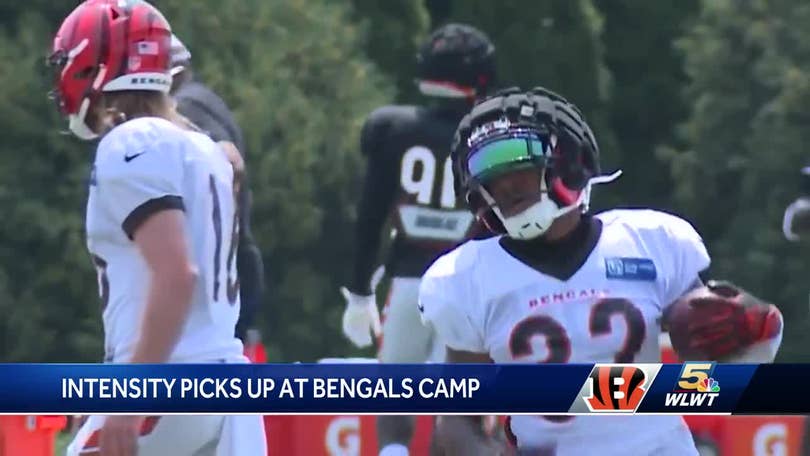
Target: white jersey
143, 166
481, 299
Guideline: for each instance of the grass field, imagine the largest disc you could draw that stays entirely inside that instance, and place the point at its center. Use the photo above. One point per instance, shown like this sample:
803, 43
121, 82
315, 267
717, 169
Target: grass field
62, 441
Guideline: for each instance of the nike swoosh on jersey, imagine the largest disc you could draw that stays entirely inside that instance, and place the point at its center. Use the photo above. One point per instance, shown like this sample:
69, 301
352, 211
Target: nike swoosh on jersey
129, 158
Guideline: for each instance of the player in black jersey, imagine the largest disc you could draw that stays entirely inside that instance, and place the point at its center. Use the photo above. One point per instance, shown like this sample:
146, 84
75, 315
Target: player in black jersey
797, 216
409, 180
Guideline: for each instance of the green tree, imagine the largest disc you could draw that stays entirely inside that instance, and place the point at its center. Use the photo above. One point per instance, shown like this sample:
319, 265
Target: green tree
439, 11
51, 12
744, 142
394, 30
648, 78
553, 43
550, 43
47, 292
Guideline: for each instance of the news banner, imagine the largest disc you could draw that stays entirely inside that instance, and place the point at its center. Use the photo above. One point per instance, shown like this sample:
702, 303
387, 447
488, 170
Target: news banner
469, 389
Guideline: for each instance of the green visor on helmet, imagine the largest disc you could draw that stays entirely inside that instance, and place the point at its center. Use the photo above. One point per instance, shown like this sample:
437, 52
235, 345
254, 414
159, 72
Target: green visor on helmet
507, 153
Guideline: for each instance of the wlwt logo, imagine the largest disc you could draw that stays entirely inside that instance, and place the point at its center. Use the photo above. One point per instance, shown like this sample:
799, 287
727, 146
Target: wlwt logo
695, 388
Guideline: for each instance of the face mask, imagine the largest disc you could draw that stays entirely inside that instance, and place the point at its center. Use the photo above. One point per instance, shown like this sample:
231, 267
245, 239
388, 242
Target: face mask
537, 218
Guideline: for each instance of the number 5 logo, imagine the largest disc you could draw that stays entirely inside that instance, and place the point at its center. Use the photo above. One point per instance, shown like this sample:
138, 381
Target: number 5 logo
693, 374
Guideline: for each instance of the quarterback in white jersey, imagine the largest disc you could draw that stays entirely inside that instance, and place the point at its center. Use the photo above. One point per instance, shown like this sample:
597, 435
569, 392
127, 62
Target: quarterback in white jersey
161, 225
562, 286
142, 167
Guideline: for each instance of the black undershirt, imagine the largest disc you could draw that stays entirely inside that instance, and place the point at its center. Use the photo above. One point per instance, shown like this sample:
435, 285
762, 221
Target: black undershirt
561, 258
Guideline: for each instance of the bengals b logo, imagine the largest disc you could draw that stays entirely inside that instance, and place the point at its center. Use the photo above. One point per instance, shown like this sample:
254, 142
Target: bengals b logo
616, 388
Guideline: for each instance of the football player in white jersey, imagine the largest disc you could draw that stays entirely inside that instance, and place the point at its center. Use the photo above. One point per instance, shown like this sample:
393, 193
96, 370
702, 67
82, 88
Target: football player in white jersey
563, 286
161, 224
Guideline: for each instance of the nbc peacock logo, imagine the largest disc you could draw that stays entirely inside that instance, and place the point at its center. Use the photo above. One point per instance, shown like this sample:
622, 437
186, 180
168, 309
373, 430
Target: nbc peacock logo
709, 385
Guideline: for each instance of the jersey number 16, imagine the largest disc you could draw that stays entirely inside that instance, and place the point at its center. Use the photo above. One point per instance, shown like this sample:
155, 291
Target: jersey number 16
231, 282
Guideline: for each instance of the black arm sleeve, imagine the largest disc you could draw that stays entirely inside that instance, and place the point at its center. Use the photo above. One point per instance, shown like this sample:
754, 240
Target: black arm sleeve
378, 193
249, 266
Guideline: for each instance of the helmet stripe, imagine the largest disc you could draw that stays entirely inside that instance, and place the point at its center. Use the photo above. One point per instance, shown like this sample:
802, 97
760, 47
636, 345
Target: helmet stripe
123, 63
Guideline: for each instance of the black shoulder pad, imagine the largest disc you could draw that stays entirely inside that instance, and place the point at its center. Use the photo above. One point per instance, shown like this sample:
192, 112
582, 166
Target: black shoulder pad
379, 123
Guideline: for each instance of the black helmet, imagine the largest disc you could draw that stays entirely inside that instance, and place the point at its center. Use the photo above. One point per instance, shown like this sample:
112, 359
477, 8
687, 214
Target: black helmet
456, 61
544, 131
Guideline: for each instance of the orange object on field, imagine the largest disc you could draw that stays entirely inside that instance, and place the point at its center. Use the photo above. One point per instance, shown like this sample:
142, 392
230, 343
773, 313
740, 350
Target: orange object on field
256, 353
29, 435
761, 435
343, 435
254, 348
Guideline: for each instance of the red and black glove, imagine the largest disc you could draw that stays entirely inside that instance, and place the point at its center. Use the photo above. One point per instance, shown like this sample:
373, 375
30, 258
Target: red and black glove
728, 320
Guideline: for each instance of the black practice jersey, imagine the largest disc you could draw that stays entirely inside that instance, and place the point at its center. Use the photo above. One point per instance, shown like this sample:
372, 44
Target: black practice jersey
409, 180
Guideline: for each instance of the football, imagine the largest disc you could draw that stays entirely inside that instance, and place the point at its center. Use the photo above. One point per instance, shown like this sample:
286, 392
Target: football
729, 317
681, 315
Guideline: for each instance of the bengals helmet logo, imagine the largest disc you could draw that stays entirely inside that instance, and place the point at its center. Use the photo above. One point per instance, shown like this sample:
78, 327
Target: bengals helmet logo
616, 388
